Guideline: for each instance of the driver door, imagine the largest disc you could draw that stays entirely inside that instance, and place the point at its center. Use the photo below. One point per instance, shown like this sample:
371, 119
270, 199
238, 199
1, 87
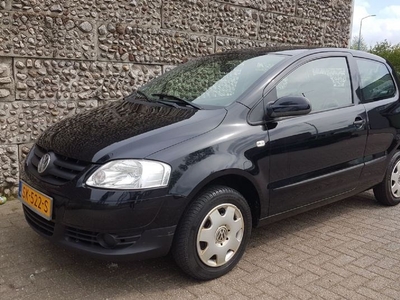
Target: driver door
320, 155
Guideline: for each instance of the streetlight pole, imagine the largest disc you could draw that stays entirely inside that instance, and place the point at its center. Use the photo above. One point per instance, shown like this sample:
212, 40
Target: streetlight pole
359, 35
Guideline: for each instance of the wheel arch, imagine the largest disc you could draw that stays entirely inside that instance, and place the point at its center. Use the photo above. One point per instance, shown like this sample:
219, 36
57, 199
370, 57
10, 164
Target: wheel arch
238, 181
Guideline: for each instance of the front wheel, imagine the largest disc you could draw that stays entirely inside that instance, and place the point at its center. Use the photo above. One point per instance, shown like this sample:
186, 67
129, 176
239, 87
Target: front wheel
388, 191
213, 233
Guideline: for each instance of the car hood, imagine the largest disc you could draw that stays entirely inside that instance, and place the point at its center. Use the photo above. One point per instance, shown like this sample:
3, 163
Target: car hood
127, 130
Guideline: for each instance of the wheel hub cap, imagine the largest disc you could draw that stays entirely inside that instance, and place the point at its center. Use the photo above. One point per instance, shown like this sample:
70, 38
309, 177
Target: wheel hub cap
220, 235
395, 181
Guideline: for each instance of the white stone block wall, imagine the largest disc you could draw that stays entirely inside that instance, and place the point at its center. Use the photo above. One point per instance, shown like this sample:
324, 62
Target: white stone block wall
60, 57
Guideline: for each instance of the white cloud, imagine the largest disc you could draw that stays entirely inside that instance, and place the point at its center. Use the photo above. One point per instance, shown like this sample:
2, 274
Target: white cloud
386, 25
360, 11
363, 3
392, 11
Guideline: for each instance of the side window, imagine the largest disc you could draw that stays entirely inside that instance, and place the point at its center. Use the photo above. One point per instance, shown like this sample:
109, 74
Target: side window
376, 81
324, 82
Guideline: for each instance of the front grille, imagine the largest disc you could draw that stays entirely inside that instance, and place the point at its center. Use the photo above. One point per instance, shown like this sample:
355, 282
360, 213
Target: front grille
92, 238
39, 223
63, 168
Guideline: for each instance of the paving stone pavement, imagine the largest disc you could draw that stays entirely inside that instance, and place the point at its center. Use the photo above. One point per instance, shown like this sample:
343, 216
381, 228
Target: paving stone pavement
347, 250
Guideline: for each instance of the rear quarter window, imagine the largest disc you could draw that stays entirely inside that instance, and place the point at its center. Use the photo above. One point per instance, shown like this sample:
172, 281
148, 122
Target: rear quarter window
376, 81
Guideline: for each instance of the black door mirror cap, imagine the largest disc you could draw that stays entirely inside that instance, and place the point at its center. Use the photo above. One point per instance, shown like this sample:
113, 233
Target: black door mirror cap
288, 106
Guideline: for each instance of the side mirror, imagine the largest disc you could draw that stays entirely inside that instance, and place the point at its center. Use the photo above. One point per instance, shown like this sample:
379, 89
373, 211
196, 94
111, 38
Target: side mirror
288, 106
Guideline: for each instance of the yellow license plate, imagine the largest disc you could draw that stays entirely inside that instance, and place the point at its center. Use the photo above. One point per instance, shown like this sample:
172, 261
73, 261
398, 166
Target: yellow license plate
35, 200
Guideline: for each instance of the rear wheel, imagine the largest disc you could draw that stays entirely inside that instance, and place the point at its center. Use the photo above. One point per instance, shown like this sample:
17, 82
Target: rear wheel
388, 191
212, 236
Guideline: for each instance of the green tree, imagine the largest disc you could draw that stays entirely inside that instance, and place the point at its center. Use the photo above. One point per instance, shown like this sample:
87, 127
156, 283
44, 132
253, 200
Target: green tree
388, 51
354, 44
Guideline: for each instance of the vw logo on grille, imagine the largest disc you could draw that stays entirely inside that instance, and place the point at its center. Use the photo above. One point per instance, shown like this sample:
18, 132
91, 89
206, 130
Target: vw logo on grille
44, 163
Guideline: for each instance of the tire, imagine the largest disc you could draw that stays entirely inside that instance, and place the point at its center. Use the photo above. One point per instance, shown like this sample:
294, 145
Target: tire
213, 233
388, 191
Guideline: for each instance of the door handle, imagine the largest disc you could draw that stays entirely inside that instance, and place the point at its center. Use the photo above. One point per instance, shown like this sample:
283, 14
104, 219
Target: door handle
359, 122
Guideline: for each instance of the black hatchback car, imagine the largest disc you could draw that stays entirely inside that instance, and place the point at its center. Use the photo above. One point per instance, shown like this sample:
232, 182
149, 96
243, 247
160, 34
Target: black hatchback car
193, 160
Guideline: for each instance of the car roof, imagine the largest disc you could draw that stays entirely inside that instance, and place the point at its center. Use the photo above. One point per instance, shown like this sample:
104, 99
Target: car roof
299, 51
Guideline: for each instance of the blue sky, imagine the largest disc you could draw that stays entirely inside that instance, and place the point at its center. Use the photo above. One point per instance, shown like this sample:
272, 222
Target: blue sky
386, 24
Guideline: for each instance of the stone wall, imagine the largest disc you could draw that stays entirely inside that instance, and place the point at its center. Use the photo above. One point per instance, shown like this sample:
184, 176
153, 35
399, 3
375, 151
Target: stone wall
60, 57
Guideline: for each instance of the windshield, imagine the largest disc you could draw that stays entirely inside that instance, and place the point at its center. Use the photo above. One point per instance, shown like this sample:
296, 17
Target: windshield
214, 80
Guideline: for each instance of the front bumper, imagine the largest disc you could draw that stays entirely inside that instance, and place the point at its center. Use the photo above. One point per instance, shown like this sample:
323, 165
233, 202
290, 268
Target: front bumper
110, 224
150, 243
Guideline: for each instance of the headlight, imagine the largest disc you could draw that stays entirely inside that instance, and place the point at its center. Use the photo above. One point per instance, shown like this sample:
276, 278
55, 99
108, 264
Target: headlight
131, 174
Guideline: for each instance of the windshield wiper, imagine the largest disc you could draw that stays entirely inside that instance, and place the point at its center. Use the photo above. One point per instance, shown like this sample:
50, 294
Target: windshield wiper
176, 99
137, 92
143, 94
